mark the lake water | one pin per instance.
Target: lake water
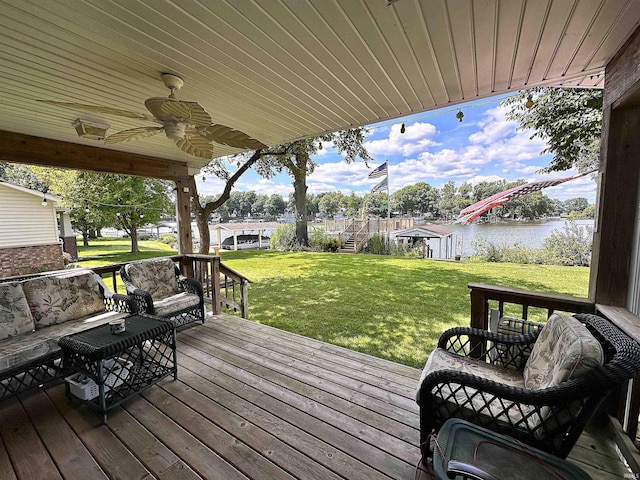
(530, 235)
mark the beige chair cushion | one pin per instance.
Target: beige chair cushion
(441, 359)
(31, 345)
(564, 350)
(155, 276)
(57, 299)
(175, 303)
(15, 315)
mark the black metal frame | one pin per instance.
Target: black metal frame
(149, 344)
(567, 407)
(49, 367)
(179, 318)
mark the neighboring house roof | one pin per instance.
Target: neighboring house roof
(30, 191)
(426, 231)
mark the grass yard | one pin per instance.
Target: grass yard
(390, 307)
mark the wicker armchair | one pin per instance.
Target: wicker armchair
(484, 383)
(159, 289)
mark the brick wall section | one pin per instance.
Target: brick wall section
(24, 260)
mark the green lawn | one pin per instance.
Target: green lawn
(390, 307)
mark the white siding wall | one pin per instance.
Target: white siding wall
(24, 221)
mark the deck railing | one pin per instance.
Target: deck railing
(222, 286)
(624, 407)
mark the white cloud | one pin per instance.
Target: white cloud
(266, 186)
(418, 137)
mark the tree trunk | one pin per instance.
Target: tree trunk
(85, 238)
(300, 195)
(203, 229)
(134, 240)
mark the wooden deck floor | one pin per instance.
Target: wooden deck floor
(251, 402)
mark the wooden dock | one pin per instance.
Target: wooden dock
(251, 402)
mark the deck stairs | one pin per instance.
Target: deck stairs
(355, 236)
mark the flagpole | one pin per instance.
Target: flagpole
(388, 196)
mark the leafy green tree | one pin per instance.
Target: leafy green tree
(134, 202)
(23, 175)
(275, 205)
(353, 204)
(375, 204)
(568, 119)
(571, 246)
(331, 203)
(576, 205)
(296, 158)
(447, 204)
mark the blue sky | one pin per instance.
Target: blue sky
(435, 149)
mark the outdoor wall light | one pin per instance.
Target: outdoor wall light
(44, 200)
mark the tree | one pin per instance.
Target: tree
(576, 205)
(568, 119)
(353, 204)
(275, 205)
(134, 202)
(331, 203)
(296, 159)
(447, 204)
(23, 175)
(375, 204)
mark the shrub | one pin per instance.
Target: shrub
(284, 239)
(168, 238)
(572, 246)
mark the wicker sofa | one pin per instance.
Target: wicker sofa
(36, 311)
(540, 388)
(159, 289)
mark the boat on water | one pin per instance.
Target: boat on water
(246, 242)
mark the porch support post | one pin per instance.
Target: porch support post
(620, 174)
(183, 215)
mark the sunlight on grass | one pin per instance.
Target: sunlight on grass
(390, 307)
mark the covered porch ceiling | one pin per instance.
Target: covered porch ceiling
(281, 69)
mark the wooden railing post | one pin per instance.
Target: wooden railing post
(244, 298)
(215, 283)
(479, 310)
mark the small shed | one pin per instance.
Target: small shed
(29, 238)
(424, 234)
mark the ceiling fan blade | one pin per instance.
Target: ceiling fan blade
(170, 109)
(132, 134)
(230, 137)
(100, 109)
(195, 145)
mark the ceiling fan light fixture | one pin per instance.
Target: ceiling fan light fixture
(175, 132)
(90, 130)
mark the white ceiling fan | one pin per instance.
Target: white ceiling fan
(186, 123)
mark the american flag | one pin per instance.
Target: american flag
(380, 171)
(469, 214)
(380, 187)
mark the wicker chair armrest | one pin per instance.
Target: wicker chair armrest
(143, 300)
(190, 285)
(561, 394)
(466, 341)
(117, 302)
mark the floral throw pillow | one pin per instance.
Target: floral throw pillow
(58, 299)
(15, 316)
(157, 277)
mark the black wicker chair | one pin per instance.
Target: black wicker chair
(170, 295)
(550, 419)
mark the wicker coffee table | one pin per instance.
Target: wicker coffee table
(108, 368)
